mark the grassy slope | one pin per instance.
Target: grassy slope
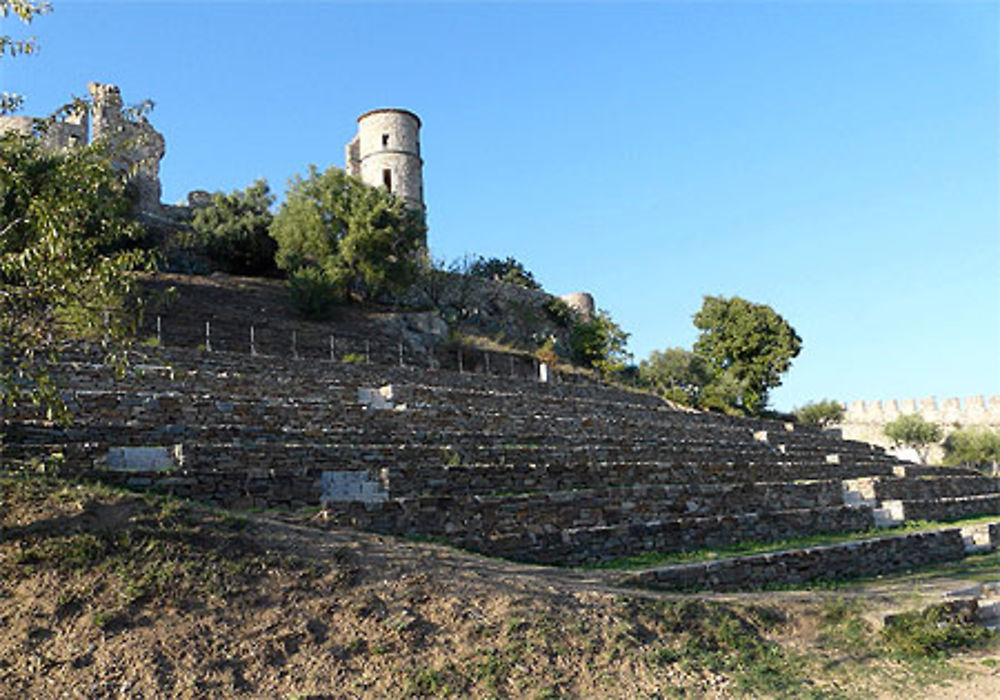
(103, 592)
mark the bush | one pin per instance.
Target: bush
(820, 413)
(313, 294)
(509, 271)
(913, 431)
(599, 344)
(973, 447)
(235, 230)
(361, 237)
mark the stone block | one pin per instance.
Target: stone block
(143, 459)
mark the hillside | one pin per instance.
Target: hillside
(110, 593)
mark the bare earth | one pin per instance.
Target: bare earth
(109, 594)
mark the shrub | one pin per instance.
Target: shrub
(313, 294)
(599, 344)
(913, 431)
(361, 237)
(972, 446)
(235, 229)
(820, 413)
(508, 271)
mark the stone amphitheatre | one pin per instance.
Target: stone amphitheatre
(476, 451)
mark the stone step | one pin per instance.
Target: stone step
(865, 557)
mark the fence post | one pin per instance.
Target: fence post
(253, 341)
(511, 357)
(460, 360)
(295, 346)
(401, 353)
(333, 349)
(159, 333)
(486, 360)
(208, 336)
(368, 352)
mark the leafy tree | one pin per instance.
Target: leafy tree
(599, 344)
(749, 344)
(26, 10)
(66, 234)
(235, 227)
(509, 271)
(677, 374)
(820, 413)
(972, 446)
(363, 239)
(911, 430)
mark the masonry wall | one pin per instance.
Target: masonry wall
(866, 420)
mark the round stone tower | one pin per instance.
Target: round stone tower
(386, 153)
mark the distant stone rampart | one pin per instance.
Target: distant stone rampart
(866, 420)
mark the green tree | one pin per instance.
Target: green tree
(364, 240)
(677, 374)
(509, 271)
(66, 250)
(25, 10)
(820, 413)
(973, 447)
(599, 344)
(748, 344)
(911, 430)
(236, 227)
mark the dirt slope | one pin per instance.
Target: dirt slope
(105, 593)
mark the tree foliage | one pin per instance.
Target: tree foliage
(973, 447)
(599, 343)
(820, 413)
(509, 271)
(66, 238)
(748, 344)
(363, 239)
(678, 374)
(912, 430)
(236, 227)
(25, 10)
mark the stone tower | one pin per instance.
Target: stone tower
(386, 153)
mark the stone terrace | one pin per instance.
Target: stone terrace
(554, 472)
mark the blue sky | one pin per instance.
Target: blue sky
(837, 161)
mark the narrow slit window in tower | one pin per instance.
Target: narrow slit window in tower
(387, 179)
(385, 139)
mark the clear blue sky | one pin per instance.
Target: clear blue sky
(838, 161)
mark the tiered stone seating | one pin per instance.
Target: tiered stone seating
(557, 472)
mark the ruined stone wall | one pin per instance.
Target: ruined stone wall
(866, 420)
(53, 135)
(136, 147)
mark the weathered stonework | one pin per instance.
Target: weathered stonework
(386, 153)
(866, 420)
(135, 147)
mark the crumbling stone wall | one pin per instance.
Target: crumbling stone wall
(135, 146)
(866, 420)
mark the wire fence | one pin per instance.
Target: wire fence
(272, 340)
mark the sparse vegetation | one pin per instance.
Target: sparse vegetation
(820, 413)
(245, 600)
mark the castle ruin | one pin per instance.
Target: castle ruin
(386, 153)
(134, 146)
(865, 421)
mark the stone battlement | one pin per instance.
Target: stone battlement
(967, 411)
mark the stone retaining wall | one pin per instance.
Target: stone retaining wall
(860, 558)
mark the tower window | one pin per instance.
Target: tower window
(387, 179)
(385, 139)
